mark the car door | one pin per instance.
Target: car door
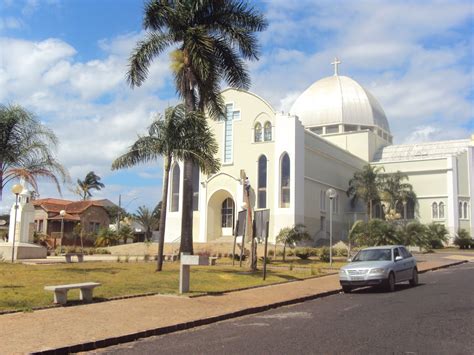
(398, 266)
(409, 262)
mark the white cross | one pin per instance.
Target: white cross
(336, 68)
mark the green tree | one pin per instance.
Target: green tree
(365, 185)
(436, 235)
(106, 237)
(212, 37)
(463, 239)
(147, 220)
(394, 188)
(374, 232)
(291, 236)
(90, 182)
(26, 149)
(180, 135)
(125, 233)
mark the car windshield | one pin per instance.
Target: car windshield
(373, 255)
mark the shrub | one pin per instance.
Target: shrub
(279, 253)
(271, 253)
(313, 251)
(102, 251)
(341, 252)
(290, 252)
(324, 254)
(303, 253)
(268, 260)
(463, 239)
(146, 258)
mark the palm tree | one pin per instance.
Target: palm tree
(180, 135)
(26, 149)
(365, 185)
(394, 189)
(147, 220)
(90, 182)
(291, 236)
(211, 37)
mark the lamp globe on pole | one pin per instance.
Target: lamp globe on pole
(16, 189)
(331, 194)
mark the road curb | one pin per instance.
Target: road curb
(93, 345)
(444, 266)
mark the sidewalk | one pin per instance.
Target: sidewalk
(86, 327)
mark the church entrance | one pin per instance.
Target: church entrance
(221, 215)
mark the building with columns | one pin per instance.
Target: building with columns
(333, 129)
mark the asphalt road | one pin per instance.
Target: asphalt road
(437, 317)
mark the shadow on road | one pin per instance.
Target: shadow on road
(372, 289)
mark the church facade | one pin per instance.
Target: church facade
(291, 159)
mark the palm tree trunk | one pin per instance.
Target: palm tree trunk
(164, 207)
(187, 210)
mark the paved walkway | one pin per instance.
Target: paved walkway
(108, 323)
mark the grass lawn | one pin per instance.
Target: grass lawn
(21, 286)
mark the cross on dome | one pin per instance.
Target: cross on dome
(336, 66)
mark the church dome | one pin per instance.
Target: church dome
(339, 100)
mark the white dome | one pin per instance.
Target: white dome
(338, 100)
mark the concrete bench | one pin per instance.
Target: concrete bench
(170, 257)
(212, 260)
(60, 291)
(80, 257)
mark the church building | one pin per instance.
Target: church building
(333, 129)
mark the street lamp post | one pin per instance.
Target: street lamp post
(331, 194)
(16, 189)
(62, 213)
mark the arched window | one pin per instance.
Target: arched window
(258, 132)
(227, 212)
(441, 210)
(195, 187)
(262, 182)
(285, 181)
(322, 200)
(460, 210)
(267, 132)
(378, 211)
(400, 209)
(175, 189)
(465, 210)
(434, 210)
(410, 209)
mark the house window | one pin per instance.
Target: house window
(227, 213)
(400, 209)
(410, 209)
(285, 181)
(195, 187)
(322, 200)
(317, 130)
(40, 226)
(378, 211)
(460, 210)
(258, 132)
(434, 210)
(94, 227)
(267, 132)
(262, 182)
(350, 128)
(175, 189)
(322, 224)
(335, 204)
(465, 210)
(441, 210)
(332, 129)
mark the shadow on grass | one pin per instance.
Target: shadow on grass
(12, 286)
(109, 270)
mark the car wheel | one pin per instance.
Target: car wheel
(414, 279)
(390, 286)
(346, 289)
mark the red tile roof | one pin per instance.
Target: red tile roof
(71, 207)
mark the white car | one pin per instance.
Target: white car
(379, 266)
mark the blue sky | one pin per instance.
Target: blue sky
(65, 60)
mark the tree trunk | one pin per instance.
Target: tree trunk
(187, 210)
(1, 179)
(164, 207)
(284, 252)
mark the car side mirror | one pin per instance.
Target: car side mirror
(398, 258)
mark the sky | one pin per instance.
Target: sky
(66, 61)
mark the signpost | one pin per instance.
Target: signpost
(184, 271)
(261, 226)
(239, 233)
